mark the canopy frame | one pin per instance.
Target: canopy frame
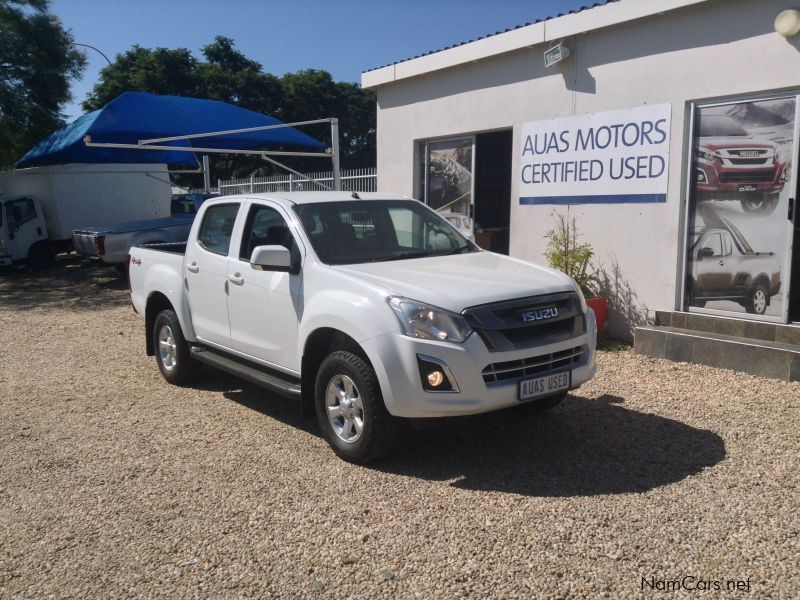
(155, 144)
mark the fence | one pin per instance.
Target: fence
(353, 180)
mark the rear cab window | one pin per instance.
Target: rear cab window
(216, 229)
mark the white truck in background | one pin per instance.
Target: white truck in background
(369, 309)
(41, 206)
(110, 245)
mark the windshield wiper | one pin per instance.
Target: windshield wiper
(460, 250)
(400, 256)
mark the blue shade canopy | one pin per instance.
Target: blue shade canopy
(135, 116)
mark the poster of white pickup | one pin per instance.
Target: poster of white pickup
(609, 157)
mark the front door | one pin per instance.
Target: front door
(25, 226)
(264, 306)
(206, 265)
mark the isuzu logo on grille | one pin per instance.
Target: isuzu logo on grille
(539, 314)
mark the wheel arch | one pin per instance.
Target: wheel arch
(156, 302)
(319, 344)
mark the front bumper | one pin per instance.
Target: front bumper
(394, 357)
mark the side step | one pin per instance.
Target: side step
(249, 372)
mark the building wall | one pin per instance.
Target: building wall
(713, 49)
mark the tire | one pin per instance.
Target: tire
(764, 204)
(172, 352)
(40, 257)
(344, 376)
(121, 269)
(757, 300)
(544, 404)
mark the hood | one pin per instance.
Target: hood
(717, 143)
(462, 280)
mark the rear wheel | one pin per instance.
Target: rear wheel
(764, 204)
(757, 300)
(172, 351)
(350, 409)
(40, 257)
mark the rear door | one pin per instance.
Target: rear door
(264, 305)
(205, 274)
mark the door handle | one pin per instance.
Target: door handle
(722, 263)
(236, 279)
(192, 268)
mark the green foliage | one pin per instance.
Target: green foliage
(228, 75)
(37, 61)
(565, 253)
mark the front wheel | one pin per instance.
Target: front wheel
(765, 204)
(756, 302)
(350, 409)
(172, 351)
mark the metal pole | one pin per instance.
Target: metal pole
(298, 173)
(337, 173)
(251, 184)
(206, 174)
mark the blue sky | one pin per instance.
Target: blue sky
(344, 37)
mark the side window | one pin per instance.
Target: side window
(714, 242)
(217, 228)
(264, 227)
(19, 212)
(727, 246)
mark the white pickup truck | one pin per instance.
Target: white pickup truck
(370, 310)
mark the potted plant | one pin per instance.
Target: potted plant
(565, 252)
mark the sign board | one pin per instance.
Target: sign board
(610, 157)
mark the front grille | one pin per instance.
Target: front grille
(746, 176)
(511, 370)
(502, 327)
(749, 161)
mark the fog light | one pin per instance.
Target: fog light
(783, 176)
(701, 176)
(435, 378)
(435, 375)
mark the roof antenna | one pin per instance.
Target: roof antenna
(355, 196)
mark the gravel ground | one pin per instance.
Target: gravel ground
(115, 484)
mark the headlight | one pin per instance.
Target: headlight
(706, 155)
(428, 322)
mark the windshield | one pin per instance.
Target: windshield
(719, 126)
(378, 230)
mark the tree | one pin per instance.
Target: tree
(37, 61)
(226, 74)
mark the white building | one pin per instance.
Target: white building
(470, 129)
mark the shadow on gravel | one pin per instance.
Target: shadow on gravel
(66, 285)
(583, 447)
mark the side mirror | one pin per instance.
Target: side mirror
(705, 253)
(271, 258)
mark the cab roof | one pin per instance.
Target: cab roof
(311, 197)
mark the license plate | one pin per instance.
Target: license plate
(546, 385)
(750, 187)
(749, 154)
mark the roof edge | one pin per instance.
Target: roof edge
(541, 32)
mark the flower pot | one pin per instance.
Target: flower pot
(599, 304)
